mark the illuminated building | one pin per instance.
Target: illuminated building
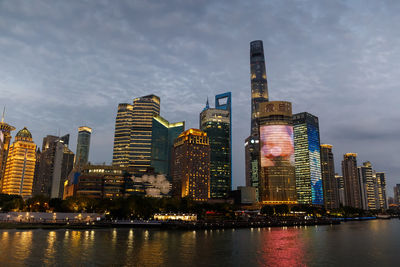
(307, 159)
(191, 165)
(5, 138)
(54, 165)
(216, 122)
(83, 146)
(144, 109)
(340, 183)
(259, 94)
(175, 217)
(352, 187)
(20, 167)
(381, 184)
(329, 182)
(162, 141)
(396, 196)
(369, 188)
(252, 151)
(277, 174)
(122, 135)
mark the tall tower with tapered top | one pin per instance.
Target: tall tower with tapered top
(259, 85)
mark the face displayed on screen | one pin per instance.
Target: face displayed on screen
(277, 146)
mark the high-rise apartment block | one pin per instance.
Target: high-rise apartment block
(369, 188)
(381, 184)
(83, 146)
(329, 182)
(191, 165)
(5, 138)
(352, 187)
(20, 166)
(277, 175)
(162, 141)
(396, 191)
(259, 94)
(307, 159)
(340, 183)
(216, 122)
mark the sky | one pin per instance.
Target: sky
(64, 64)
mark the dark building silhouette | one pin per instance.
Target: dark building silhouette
(352, 187)
(329, 182)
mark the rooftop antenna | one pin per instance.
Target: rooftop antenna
(4, 111)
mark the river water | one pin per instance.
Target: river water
(367, 243)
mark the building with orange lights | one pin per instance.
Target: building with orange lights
(277, 168)
(20, 167)
(5, 138)
(191, 165)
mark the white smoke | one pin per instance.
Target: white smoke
(158, 184)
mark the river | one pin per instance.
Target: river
(365, 243)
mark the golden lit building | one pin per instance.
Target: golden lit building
(191, 165)
(5, 138)
(20, 167)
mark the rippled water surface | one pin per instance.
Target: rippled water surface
(369, 243)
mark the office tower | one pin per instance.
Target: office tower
(381, 183)
(352, 185)
(259, 94)
(54, 165)
(5, 138)
(144, 109)
(83, 146)
(20, 166)
(307, 159)
(162, 141)
(340, 183)
(396, 190)
(191, 165)
(216, 122)
(277, 174)
(329, 182)
(122, 135)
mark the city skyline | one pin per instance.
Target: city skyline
(69, 85)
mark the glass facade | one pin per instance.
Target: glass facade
(381, 182)
(329, 182)
(163, 137)
(307, 156)
(5, 138)
(83, 146)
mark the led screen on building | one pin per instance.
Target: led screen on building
(277, 146)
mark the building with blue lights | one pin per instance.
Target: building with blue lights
(307, 159)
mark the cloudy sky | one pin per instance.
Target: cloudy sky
(64, 64)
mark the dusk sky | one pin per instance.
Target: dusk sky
(64, 64)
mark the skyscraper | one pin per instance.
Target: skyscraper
(381, 183)
(329, 182)
(216, 122)
(55, 163)
(396, 191)
(162, 141)
(122, 135)
(307, 159)
(144, 109)
(340, 183)
(191, 165)
(5, 138)
(369, 189)
(277, 175)
(259, 94)
(352, 185)
(83, 146)
(20, 167)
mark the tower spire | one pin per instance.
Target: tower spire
(207, 104)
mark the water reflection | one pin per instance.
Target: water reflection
(282, 247)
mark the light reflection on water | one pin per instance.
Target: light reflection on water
(361, 243)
